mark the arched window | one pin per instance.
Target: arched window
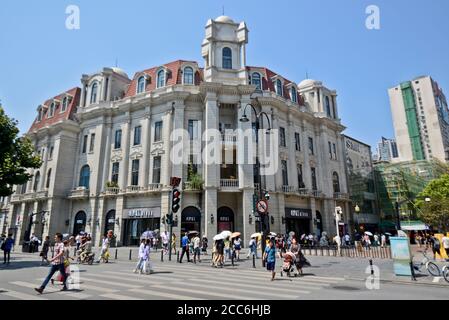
(37, 179)
(227, 58)
(52, 110)
(161, 79)
(85, 177)
(188, 75)
(294, 95)
(141, 84)
(65, 104)
(94, 93)
(47, 183)
(336, 182)
(328, 107)
(256, 81)
(279, 87)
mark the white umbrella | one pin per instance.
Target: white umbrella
(226, 234)
(368, 233)
(387, 234)
(218, 237)
(273, 234)
(256, 235)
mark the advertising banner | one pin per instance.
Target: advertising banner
(401, 254)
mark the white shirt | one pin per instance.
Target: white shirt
(164, 237)
(141, 250)
(445, 241)
(105, 243)
(196, 242)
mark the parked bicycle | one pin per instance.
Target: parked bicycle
(445, 272)
(431, 267)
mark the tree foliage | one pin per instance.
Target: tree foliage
(436, 211)
(16, 156)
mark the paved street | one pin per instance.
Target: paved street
(328, 278)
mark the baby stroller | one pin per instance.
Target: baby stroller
(288, 266)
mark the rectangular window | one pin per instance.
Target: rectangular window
(157, 170)
(314, 185)
(330, 149)
(193, 130)
(118, 139)
(135, 173)
(92, 142)
(85, 143)
(334, 148)
(311, 145)
(115, 171)
(137, 135)
(297, 142)
(284, 173)
(51, 152)
(282, 136)
(158, 131)
(300, 178)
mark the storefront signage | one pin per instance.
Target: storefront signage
(293, 213)
(142, 213)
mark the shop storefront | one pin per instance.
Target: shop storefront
(225, 218)
(138, 220)
(298, 220)
(190, 220)
(79, 223)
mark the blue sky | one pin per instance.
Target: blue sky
(40, 58)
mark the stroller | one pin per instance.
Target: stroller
(288, 266)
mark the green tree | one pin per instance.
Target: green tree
(16, 156)
(436, 211)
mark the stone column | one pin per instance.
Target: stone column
(108, 96)
(119, 228)
(247, 205)
(146, 142)
(178, 124)
(244, 147)
(290, 138)
(165, 156)
(306, 171)
(125, 169)
(100, 215)
(44, 175)
(312, 205)
(106, 156)
(23, 222)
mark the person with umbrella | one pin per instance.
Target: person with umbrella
(252, 245)
(236, 245)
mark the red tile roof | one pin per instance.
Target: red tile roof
(58, 116)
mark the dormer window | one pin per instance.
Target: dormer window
(294, 95)
(256, 81)
(141, 83)
(227, 58)
(94, 93)
(65, 104)
(161, 79)
(279, 87)
(39, 114)
(51, 112)
(188, 75)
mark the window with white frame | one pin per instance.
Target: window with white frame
(279, 88)
(65, 104)
(294, 95)
(141, 82)
(188, 75)
(256, 80)
(94, 93)
(161, 79)
(227, 58)
(51, 112)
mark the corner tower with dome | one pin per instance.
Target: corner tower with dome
(106, 149)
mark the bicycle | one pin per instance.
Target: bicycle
(445, 272)
(431, 267)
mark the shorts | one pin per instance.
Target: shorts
(271, 266)
(238, 248)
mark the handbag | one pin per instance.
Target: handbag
(66, 263)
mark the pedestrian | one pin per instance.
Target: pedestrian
(376, 240)
(78, 241)
(147, 266)
(204, 244)
(220, 252)
(252, 245)
(7, 246)
(227, 249)
(214, 260)
(141, 257)
(45, 248)
(435, 246)
(383, 240)
(270, 259)
(196, 248)
(67, 259)
(237, 247)
(173, 242)
(57, 264)
(185, 247)
(164, 238)
(104, 252)
(445, 242)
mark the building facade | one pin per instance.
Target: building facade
(362, 189)
(421, 120)
(387, 150)
(108, 149)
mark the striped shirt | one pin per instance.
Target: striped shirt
(59, 248)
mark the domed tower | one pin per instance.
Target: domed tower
(320, 99)
(224, 51)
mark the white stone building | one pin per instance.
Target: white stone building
(106, 150)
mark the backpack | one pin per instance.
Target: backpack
(436, 244)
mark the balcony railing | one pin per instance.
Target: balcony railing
(79, 193)
(304, 191)
(288, 189)
(112, 191)
(229, 138)
(154, 187)
(190, 186)
(229, 183)
(29, 196)
(16, 197)
(340, 195)
(317, 194)
(42, 194)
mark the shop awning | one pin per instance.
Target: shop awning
(413, 225)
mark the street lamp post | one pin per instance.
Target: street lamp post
(259, 126)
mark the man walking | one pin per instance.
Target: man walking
(270, 257)
(196, 249)
(57, 264)
(445, 242)
(7, 245)
(185, 248)
(164, 238)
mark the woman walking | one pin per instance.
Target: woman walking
(237, 247)
(204, 245)
(44, 252)
(147, 266)
(141, 255)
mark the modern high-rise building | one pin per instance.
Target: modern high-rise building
(387, 150)
(421, 120)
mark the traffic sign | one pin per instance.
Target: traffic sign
(262, 206)
(175, 181)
